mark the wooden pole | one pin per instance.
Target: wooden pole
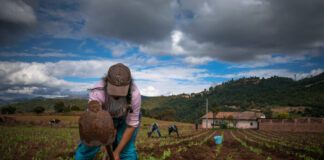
(206, 113)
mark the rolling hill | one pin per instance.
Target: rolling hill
(234, 95)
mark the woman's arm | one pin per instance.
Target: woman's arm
(127, 135)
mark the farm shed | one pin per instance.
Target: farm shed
(232, 119)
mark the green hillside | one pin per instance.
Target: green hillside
(244, 94)
(234, 95)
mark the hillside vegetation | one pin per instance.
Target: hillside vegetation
(234, 95)
(243, 94)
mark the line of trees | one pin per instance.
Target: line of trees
(8, 110)
(59, 107)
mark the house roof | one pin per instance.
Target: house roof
(208, 115)
(226, 115)
(234, 115)
(247, 115)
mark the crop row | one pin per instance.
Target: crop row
(280, 149)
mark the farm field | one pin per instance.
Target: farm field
(33, 138)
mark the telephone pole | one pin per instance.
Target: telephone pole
(206, 113)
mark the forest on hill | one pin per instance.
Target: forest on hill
(241, 95)
(234, 95)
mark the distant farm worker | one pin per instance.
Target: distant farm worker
(154, 128)
(118, 95)
(173, 128)
(196, 125)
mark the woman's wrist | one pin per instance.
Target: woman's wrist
(117, 150)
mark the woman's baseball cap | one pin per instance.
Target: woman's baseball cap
(118, 80)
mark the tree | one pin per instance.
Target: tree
(75, 108)
(59, 107)
(282, 115)
(268, 113)
(211, 89)
(8, 110)
(39, 109)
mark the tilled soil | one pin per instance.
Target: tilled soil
(157, 150)
(280, 151)
(266, 152)
(198, 152)
(233, 150)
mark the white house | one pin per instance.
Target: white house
(232, 119)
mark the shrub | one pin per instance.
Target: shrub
(8, 110)
(59, 107)
(39, 109)
(75, 108)
(282, 115)
(223, 125)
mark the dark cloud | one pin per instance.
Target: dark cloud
(16, 19)
(134, 21)
(241, 29)
(235, 31)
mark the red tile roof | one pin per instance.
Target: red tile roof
(234, 115)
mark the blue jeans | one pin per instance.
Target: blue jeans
(129, 152)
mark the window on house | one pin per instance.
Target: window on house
(251, 123)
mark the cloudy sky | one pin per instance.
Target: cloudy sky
(60, 48)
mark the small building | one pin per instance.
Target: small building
(241, 120)
(208, 120)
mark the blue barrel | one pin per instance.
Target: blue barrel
(218, 139)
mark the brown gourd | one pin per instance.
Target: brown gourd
(96, 127)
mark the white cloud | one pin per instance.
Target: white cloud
(179, 43)
(170, 80)
(313, 72)
(117, 49)
(176, 37)
(29, 76)
(158, 80)
(170, 87)
(197, 60)
(166, 73)
(268, 60)
(267, 73)
(150, 91)
(33, 78)
(23, 90)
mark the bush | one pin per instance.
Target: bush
(67, 109)
(8, 110)
(59, 107)
(39, 109)
(75, 108)
(282, 115)
(223, 125)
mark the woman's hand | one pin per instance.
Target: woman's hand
(116, 155)
(127, 135)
